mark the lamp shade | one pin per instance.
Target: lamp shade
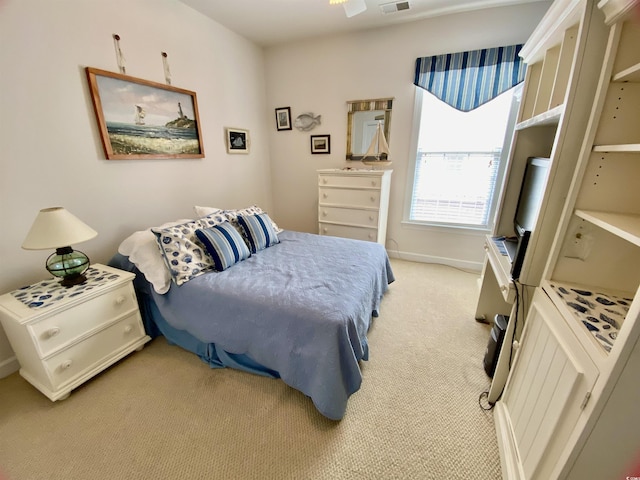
(55, 227)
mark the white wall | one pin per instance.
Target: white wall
(321, 75)
(50, 150)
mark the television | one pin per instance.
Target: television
(534, 181)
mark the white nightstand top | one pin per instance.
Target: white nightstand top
(49, 292)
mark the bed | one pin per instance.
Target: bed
(298, 310)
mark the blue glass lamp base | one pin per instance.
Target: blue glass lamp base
(69, 265)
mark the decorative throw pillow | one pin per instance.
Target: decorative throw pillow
(213, 219)
(259, 231)
(224, 244)
(142, 250)
(184, 255)
(232, 214)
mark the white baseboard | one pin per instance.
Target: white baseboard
(9, 366)
(473, 267)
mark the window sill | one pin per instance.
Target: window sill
(453, 229)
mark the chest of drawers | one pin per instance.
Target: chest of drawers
(354, 203)
(64, 336)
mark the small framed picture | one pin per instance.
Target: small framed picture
(283, 118)
(237, 140)
(320, 143)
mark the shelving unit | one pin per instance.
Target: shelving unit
(564, 57)
(587, 307)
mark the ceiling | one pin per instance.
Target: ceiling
(269, 22)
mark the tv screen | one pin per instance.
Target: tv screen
(533, 184)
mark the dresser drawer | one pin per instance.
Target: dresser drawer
(345, 231)
(54, 332)
(350, 181)
(355, 198)
(68, 364)
(350, 216)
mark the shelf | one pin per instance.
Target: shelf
(627, 148)
(550, 117)
(631, 74)
(600, 313)
(626, 226)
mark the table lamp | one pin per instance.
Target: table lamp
(56, 228)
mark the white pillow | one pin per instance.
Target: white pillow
(204, 211)
(143, 251)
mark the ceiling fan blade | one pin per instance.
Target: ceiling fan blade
(354, 7)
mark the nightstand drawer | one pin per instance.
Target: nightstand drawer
(349, 216)
(345, 231)
(355, 198)
(68, 364)
(52, 333)
(350, 181)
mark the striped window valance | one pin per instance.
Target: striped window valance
(466, 80)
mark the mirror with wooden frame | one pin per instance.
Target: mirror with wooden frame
(362, 119)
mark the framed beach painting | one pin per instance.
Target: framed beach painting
(140, 119)
(237, 140)
(320, 143)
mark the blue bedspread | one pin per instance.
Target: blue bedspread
(301, 308)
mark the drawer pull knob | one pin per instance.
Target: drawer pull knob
(120, 300)
(324, 213)
(324, 180)
(503, 288)
(371, 236)
(373, 183)
(371, 218)
(373, 199)
(66, 364)
(128, 329)
(53, 332)
(324, 230)
(324, 195)
(516, 344)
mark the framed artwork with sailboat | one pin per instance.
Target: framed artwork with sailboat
(141, 119)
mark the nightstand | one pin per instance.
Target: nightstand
(64, 336)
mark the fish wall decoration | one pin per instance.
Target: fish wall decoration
(306, 121)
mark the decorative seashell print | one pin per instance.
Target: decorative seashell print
(307, 121)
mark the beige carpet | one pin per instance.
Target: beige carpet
(163, 414)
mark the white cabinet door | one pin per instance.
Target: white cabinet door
(547, 389)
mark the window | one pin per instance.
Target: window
(458, 163)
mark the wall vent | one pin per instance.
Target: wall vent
(394, 7)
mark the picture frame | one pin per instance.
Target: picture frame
(140, 119)
(283, 118)
(320, 144)
(237, 140)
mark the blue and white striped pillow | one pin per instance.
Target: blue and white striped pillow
(259, 231)
(224, 244)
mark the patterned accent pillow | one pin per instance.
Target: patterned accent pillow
(232, 215)
(259, 231)
(184, 255)
(213, 219)
(225, 245)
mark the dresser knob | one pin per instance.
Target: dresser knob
(516, 345)
(503, 288)
(324, 195)
(324, 213)
(128, 329)
(373, 199)
(66, 364)
(53, 332)
(324, 230)
(324, 180)
(120, 300)
(373, 183)
(371, 218)
(371, 236)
